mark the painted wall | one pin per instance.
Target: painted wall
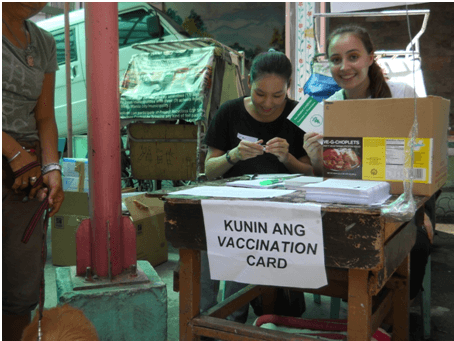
(361, 6)
(249, 26)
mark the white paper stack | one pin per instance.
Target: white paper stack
(301, 181)
(343, 191)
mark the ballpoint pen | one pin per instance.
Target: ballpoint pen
(270, 182)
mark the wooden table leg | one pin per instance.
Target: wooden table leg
(359, 306)
(189, 291)
(401, 303)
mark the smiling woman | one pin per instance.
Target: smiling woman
(349, 63)
(352, 65)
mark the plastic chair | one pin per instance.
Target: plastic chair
(334, 308)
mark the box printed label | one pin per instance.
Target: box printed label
(384, 159)
(342, 157)
(59, 222)
(376, 158)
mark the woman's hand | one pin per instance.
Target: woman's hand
(279, 147)
(314, 150)
(55, 190)
(312, 147)
(28, 178)
(247, 150)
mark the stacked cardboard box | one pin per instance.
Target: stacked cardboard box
(367, 139)
(75, 174)
(147, 215)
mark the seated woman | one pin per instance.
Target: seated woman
(252, 135)
(353, 67)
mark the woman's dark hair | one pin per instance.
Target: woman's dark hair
(271, 62)
(378, 86)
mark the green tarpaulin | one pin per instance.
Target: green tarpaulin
(168, 85)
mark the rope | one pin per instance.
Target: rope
(42, 209)
(26, 168)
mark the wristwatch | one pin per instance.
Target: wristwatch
(227, 156)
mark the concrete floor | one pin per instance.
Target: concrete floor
(442, 291)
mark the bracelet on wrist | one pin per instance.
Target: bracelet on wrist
(50, 167)
(15, 156)
(229, 160)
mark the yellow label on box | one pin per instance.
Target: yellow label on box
(384, 159)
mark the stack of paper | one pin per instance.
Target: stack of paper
(343, 191)
(301, 181)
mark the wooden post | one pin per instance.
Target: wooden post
(359, 306)
(401, 303)
(189, 291)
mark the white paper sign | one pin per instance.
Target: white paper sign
(265, 243)
(308, 115)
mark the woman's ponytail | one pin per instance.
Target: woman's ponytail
(378, 86)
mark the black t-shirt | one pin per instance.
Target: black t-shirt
(233, 121)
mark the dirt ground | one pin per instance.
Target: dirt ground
(442, 302)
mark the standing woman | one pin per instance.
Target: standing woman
(353, 67)
(252, 135)
(29, 135)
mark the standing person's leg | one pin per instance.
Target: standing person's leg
(22, 264)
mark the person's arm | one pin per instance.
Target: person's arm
(216, 163)
(280, 148)
(314, 151)
(11, 149)
(48, 136)
(301, 165)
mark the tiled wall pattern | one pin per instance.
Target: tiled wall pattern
(305, 45)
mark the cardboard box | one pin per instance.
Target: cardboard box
(147, 215)
(75, 175)
(149, 222)
(364, 139)
(72, 167)
(163, 151)
(73, 184)
(64, 225)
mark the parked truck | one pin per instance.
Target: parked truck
(138, 22)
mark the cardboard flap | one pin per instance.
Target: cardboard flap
(141, 207)
(80, 168)
(372, 117)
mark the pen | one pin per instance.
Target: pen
(269, 182)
